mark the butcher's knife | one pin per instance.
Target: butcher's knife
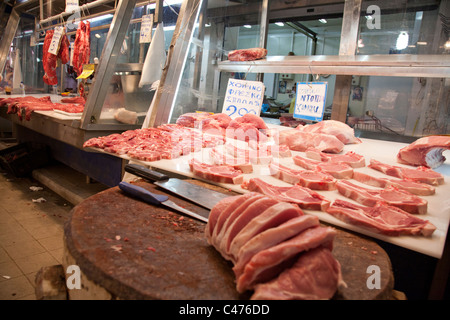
(202, 196)
(157, 199)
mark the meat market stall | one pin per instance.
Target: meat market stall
(76, 108)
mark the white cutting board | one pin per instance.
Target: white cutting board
(384, 151)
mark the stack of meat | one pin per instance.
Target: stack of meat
(26, 105)
(49, 60)
(168, 141)
(247, 54)
(276, 250)
(82, 47)
(326, 136)
(426, 151)
(208, 123)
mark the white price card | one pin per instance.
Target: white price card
(54, 45)
(243, 97)
(146, 29)
(72, 5)
(310, 100)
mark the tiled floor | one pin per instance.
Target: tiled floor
(31, 234)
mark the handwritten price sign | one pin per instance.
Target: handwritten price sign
(243, 97)
(310, 100)
(146, 29)
(54, 44)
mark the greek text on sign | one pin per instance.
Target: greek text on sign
(310, 100)
(72, 5)
(146, 29)
(243, 97)
(54, 44)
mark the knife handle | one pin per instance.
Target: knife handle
(145, 173)
(142, 194)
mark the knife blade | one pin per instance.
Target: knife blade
(202, 196)
(157, 199)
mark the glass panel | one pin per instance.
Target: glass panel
(406, 27)
(228, 26)
(124, 91)
(399, 106)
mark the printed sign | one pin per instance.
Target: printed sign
(310, 100)
(54, 45)
(243, 97)
(72, 5)
(146, 29)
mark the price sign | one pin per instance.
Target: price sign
(146, 29)
(72, 5)
(54, 45)
(310, 100)
(243, 97)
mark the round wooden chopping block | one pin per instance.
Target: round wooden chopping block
(135, 250)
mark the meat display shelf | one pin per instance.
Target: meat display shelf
(384, 151)
(401, 65)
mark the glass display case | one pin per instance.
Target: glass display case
(391, 90)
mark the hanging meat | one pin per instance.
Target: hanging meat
(49, 60)
(82, 49)
(63, 53)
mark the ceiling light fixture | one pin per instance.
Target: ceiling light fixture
(280, 24)
(323, 20)
(402, 40)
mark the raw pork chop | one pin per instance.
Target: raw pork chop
(316, 275)
(420, 174)
(276, 150)
(417, 188)
(247, 54)
(339, 170)
(254, 156)
(267, 264)
(305, 198)
(391, 195)
(236, 222)
(314, 180)
(426, 151)
(216, 173)
(222, 210)
(270, 218)
(351, 158)
(335, 128)
(239, 163)
(247, 128)
(297, 140)
(382, 218)
(272, 237)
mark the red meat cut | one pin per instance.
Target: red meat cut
(351, 158)
(314, 180)
(381, 218)
(216, 173)
(247, 54)
(271, 237)
(316, 275)
(419, 174)
(391, 195)
(417, 188)
(305, 198)
(268, 263)
(297, 140)
(426, 151)
(49, 60)
(339, 170)
(239, 163)
(335, 128)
